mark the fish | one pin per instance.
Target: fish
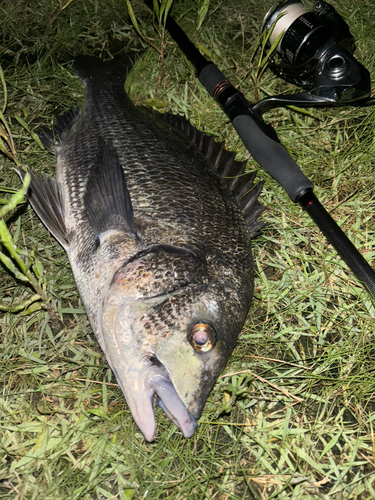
(157, 220)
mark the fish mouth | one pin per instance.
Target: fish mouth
(159, 390)
(154, 387)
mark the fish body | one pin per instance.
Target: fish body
(158, 242)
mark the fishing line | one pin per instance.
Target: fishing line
(287, 17)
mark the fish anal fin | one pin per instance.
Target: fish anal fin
(45, 196)
(52, 138)
(107, 200)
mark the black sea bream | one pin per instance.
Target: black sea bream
(158, 241)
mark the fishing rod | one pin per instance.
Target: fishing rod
(314, 49)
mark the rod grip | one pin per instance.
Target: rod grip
(272, 156)
(210, 76)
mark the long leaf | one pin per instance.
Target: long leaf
(202, 12)
(133, 19)
(33, 134)
(2, 78)
(17, 198)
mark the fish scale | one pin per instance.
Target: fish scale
(158, 245)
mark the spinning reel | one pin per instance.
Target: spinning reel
(314, 50)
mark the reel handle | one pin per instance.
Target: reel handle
(339, 80)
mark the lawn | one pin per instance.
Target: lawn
(292, 417)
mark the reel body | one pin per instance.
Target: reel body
(314, 51)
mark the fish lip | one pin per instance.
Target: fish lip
(179, 413)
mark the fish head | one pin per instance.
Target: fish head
(168, 335)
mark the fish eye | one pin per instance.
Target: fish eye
(202, 337)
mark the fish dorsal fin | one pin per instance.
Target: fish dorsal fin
(231, 171)
(45, 196)
(227, 167)
(52, 138)
(107, 200)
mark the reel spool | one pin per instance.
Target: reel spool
(315, 51)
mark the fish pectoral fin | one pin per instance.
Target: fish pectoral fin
(45, 196)
(107, 199)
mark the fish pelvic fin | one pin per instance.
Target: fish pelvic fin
(90, 67)
(107, 199)
(52, 138)
(45, 196)
(231, 171)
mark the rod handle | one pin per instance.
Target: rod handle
(273, 157)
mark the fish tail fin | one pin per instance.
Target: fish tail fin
(88, 67)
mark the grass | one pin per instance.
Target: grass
(293, 415)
